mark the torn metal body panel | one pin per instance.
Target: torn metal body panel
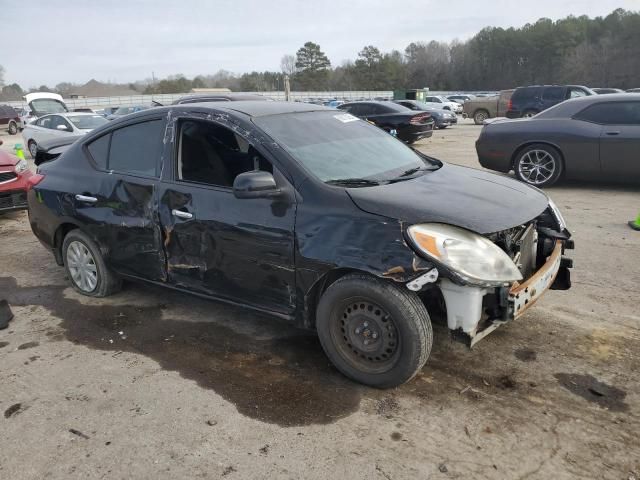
(277, 245)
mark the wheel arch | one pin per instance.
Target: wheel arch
(58, 239)
(313, 294)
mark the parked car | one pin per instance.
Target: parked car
(109, 111)
(10, 119)
(44, 103)
(219, 97)
(410, 126)
(122, 111)
(305, 213)
(592, 137)
(604, 91)
(333, 103)
(483, 108)
(445, 102)
(26, 116)
(633, 90)
(442, 118)
(529, 101)
(60, 125)
(459, 98)
(14, 178)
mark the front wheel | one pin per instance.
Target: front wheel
(539, 165)
(13, 128)
(33, 148)
(374, 332)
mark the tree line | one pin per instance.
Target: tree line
(601, 51)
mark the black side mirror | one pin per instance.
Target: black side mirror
(255, 184)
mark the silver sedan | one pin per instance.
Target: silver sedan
(59, 125)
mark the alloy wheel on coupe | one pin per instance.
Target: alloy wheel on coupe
(537, 167)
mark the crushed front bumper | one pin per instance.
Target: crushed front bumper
(467, 305)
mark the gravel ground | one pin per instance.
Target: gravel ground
(154, 384)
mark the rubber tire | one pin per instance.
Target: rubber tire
(108, 282)
(409, 315)
(32, 142)
(529, 113)
(13, 128)
(477, 119)
(551, 151)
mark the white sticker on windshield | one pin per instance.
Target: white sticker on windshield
(346, 117)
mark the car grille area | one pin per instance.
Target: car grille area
(13, 200)
(7, 176)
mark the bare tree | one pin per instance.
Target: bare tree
(1, 75)
(288, 65)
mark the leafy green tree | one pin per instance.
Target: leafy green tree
(312, 67)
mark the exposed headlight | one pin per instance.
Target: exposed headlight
(558, 216)
(474, 258)
(21, 166)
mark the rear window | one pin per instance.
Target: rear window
(99, 151)
(553, 94)
(525, 93)
(136, 148)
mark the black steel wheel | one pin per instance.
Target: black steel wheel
(374, 332)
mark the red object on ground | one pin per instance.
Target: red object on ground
(13, 185)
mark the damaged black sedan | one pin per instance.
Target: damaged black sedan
(306, 213)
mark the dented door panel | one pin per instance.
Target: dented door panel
(236, 249)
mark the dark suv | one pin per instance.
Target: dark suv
(9, 119)
(528, 101)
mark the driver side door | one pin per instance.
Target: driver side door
(241, 250)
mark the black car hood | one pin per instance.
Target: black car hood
(468, 198)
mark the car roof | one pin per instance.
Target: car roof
(220, 96)
(260, 108)
(572, 106)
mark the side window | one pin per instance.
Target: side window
(553, 94)
(136, 148)
(211, 154)
(577, 92)
(618, 113)
(99, 150)
(353, 109)
(365, 109)
(44, 122)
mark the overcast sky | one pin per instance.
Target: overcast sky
(50, 41)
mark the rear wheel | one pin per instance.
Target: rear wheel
(480, 116)
(33, 148)
(13, 128)
(374, 332)
(529, 113)
(539, 165)
(85, 266)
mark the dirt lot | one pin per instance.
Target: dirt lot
(153, 384)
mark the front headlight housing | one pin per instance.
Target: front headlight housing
(21, 166)
(474, 258)
(557, 215)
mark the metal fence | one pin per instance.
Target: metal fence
(168, 98)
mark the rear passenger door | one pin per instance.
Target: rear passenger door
(118, 203)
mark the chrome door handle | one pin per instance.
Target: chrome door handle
(181, 214)
(615, 132)
(84, 198)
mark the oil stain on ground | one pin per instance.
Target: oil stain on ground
(591, 389)
(284, 379)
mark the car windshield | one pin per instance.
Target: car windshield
(87, 122)
(342, 149)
